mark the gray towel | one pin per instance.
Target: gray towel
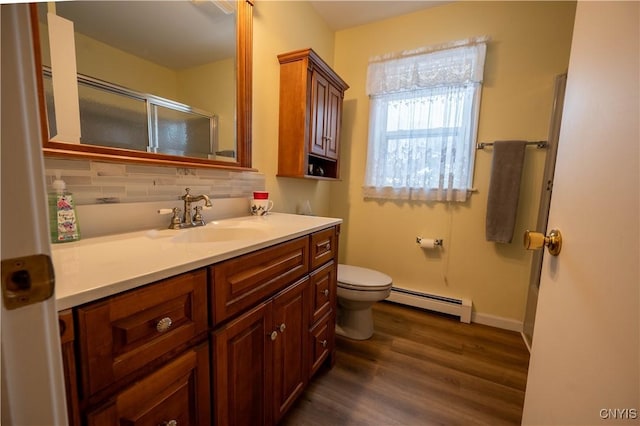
(504, 190)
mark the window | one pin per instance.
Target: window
(423, 121)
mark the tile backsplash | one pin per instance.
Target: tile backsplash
(94, 182)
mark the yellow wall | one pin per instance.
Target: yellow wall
(283, 26)
(208, 86)
(529, 46)
(99, 60)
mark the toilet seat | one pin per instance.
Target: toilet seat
(362, 279)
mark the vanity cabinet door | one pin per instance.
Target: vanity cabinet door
(290, 320)
(175, 394)
(323, 291)
(67, 340)
(322, 338)
(242, 360)
(260, 360)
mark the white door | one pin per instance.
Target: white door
(585, 359)
(31, 374)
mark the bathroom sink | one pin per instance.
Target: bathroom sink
(213, 233)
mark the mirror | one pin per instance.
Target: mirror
(149, 78)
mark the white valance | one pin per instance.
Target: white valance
(459, 62)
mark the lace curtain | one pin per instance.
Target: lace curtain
(423, 120)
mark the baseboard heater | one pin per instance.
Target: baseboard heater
(432, 302)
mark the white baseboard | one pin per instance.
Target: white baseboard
(495, 321)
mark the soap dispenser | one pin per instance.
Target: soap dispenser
(63, 219)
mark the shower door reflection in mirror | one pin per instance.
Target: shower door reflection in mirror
(165, 84)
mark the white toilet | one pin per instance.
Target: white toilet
(358, 289)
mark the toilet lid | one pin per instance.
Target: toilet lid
(359, 278)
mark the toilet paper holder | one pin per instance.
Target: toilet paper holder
(437, 242)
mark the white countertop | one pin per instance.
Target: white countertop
(93, 268)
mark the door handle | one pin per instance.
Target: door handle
(27, 280)
(537, 240)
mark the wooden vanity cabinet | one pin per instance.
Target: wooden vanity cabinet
(311, 96)
(67, 341)
(260, 360)
(264, 357)
(242, 282)
(141, 355)
(234, 343)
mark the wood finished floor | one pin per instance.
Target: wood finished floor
(419, 368)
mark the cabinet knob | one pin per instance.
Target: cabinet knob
(324, 343)
(282, 327)
(274, 335)
(327, 247)
(326, 292)
(164, 324)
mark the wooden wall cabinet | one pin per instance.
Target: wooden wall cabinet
(311, 96)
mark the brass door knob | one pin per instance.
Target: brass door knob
(537, 240)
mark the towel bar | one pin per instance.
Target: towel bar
(538, 144)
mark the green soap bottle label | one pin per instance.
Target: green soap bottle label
(66, 222)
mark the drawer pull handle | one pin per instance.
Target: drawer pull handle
(164, 324)
(326, 292)
(327, 247)
(274, 335)
(170, 423)
(324, 343)
(282, 327)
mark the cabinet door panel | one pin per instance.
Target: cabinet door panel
(322, 342)
(67, 340)
(319, 91)
(242, 361)
(332, 122)
(178, 391)
(323, 291)
(289, 349)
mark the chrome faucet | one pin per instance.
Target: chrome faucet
(189, 221)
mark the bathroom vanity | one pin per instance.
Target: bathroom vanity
(223, 324)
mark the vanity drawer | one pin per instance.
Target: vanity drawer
(321, 342)
(323, 291)
(177, 393)
(126, 333)
(323, 247)
(239, 283)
